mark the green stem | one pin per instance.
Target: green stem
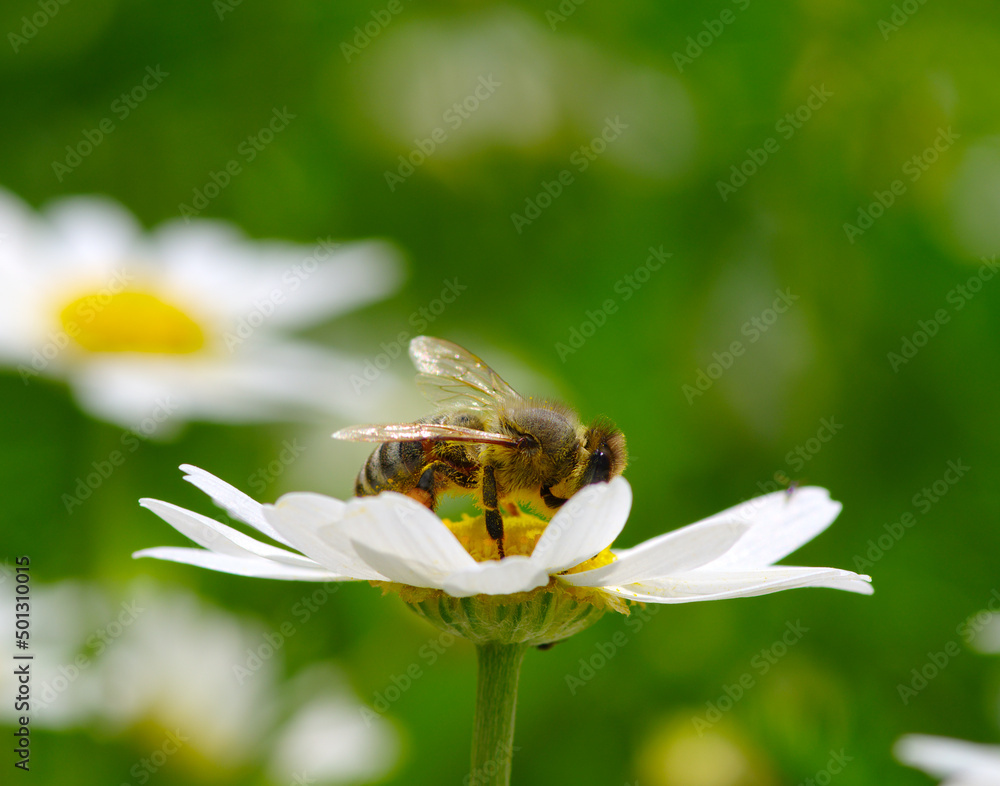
(496, 700)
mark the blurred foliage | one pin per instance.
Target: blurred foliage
(893, 90)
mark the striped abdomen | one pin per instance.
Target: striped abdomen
(392, 466)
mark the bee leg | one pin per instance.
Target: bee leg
(494, 522)
(551, 499)
(429, 484)
(423, 492)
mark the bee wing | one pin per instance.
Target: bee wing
(412, 432)
(452, 375)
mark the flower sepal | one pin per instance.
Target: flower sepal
(540, 617)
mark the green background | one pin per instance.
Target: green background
(893, 92)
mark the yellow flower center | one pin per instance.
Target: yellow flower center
(130, 321)
(520, 534)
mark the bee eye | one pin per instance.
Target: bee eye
(527, 442)
(598, 468)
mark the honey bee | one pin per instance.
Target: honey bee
(486, 440)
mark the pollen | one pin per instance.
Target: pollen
(520, 535)
(130, 321)
(597, 561)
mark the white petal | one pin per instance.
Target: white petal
(671, 554)
(232, 500)
(218, 537)
(150, 393)
(357, 273)
(942, 756)
(19, 227)
(780, 523)
(299, 284)
(257, 567)
(495, 577)
(315, 525)
(400, 569)
(586, 525)
(91, 233)
(397, 534)
(503, 577)
(719, 585)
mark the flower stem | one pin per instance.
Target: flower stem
(496, 699)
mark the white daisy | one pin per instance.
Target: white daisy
(981, 631)
(175, 666)
(161, 662)
(331, 738)
(443, 91)
(392, 538)
(958, 762)
(187, 322)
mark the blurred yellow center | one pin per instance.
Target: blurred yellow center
(520, 534)
(130, 322)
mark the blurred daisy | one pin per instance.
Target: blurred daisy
(329, 739)
(175, 666)
(394, 539)
(448, 90)
(66, 631)
(958, 762)
(672, 753)
(185, 323)
(981, 631)
(975, 200)
(170, 666)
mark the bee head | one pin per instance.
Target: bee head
(606, 452)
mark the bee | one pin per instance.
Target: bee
(486, 440)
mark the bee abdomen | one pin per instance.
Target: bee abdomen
(392, 466)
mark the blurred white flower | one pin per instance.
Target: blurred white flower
(64, 633)
(431, 67)
(165, 660)
(187, 322)
(174, 666)
(981, 631)
(500, 80)
(393, 538)
(958, 762)
(329, 739)
(975, 198)
(160, 659)
(672, 753)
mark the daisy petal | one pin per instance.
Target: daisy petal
(314, 524)
(218, 537)
(240, 566)
(719, 585)
(91, 231)
(584, 526)
(671, 554)
(781, 523)
(358, 274)
(942, 756)
(397, 534)
(232, 500)
(509, 575)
